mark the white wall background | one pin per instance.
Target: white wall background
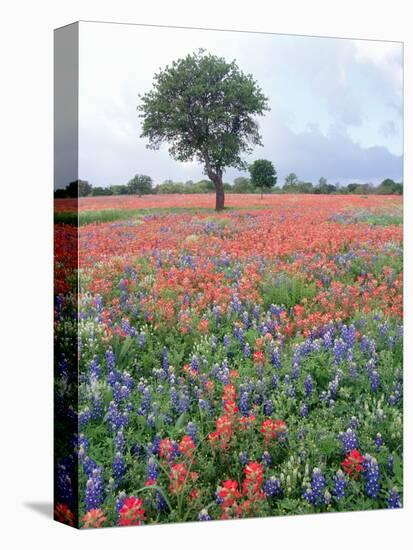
(26, 119)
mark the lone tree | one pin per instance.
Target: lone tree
(204, 108)
(291, 180)
(263, 174)
(140, 185)
(78, 188)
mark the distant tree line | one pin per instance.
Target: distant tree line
(262, 178)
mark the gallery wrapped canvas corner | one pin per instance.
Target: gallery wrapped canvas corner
(228, 275)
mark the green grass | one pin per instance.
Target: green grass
(286, 290)
(111, 215)
(384, 219)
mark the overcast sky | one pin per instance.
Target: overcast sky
(336, 104)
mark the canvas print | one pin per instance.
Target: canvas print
(228, 275)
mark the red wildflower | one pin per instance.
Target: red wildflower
(229, 493)
(253, 479)
(63, 514)
(272, 429)
(187, 446)
(132, 512)
(165, 448)
(230, 393)
(177, 478)
(259, 357)
(352, 464)
(94, 518)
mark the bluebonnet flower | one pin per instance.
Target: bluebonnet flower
(116, 418)
(152, 470)
(374, 380)
(203, 515)
(349, 440)
(85, 416)
(275, 358)
(290, 390)
(244, 404)
(315, 494)
(118, 467)
(160, 502)
(245, 319)
(308, 385)
(194, 363)
(378, 441)
(64, 487)
(226, 340)
(296, 371)
(239, 334)
(110, 360)
(272, 487)
(119, 501)
(304, 410)
(191, 430)
(395, 395)
(354, 423)
(96, 403)
(95, 490)
(136, 449)
(340, 484)
(352, 370)
(120, 441)
(141, 337)
(266, 458)
(328, 340)
(89, 465)
(348, 334)
(174, 397)
(94, 368)
(243, 457)
(372, 475)
(247, 350)
(184, 402)
(256, 313)
(82, 443)
(203, 404)
(393, 499)
(340, 350)
(153, 448)
(268, 407)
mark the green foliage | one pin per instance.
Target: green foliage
(101, 191)
(286, 290)
(291, 180)
(263, 174)
(205, 109)
(140, 185)
(242, 185)
(77, 188)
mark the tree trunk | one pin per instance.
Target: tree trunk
(220, 195)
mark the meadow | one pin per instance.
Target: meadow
(237, 364)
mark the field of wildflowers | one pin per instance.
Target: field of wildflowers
(231, 365)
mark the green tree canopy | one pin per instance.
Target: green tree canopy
(140, 185)
(242, 185)
(263, 174)
(291, 180)
(78, 188)
(205, 109)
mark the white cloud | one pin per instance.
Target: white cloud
(314, 84)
